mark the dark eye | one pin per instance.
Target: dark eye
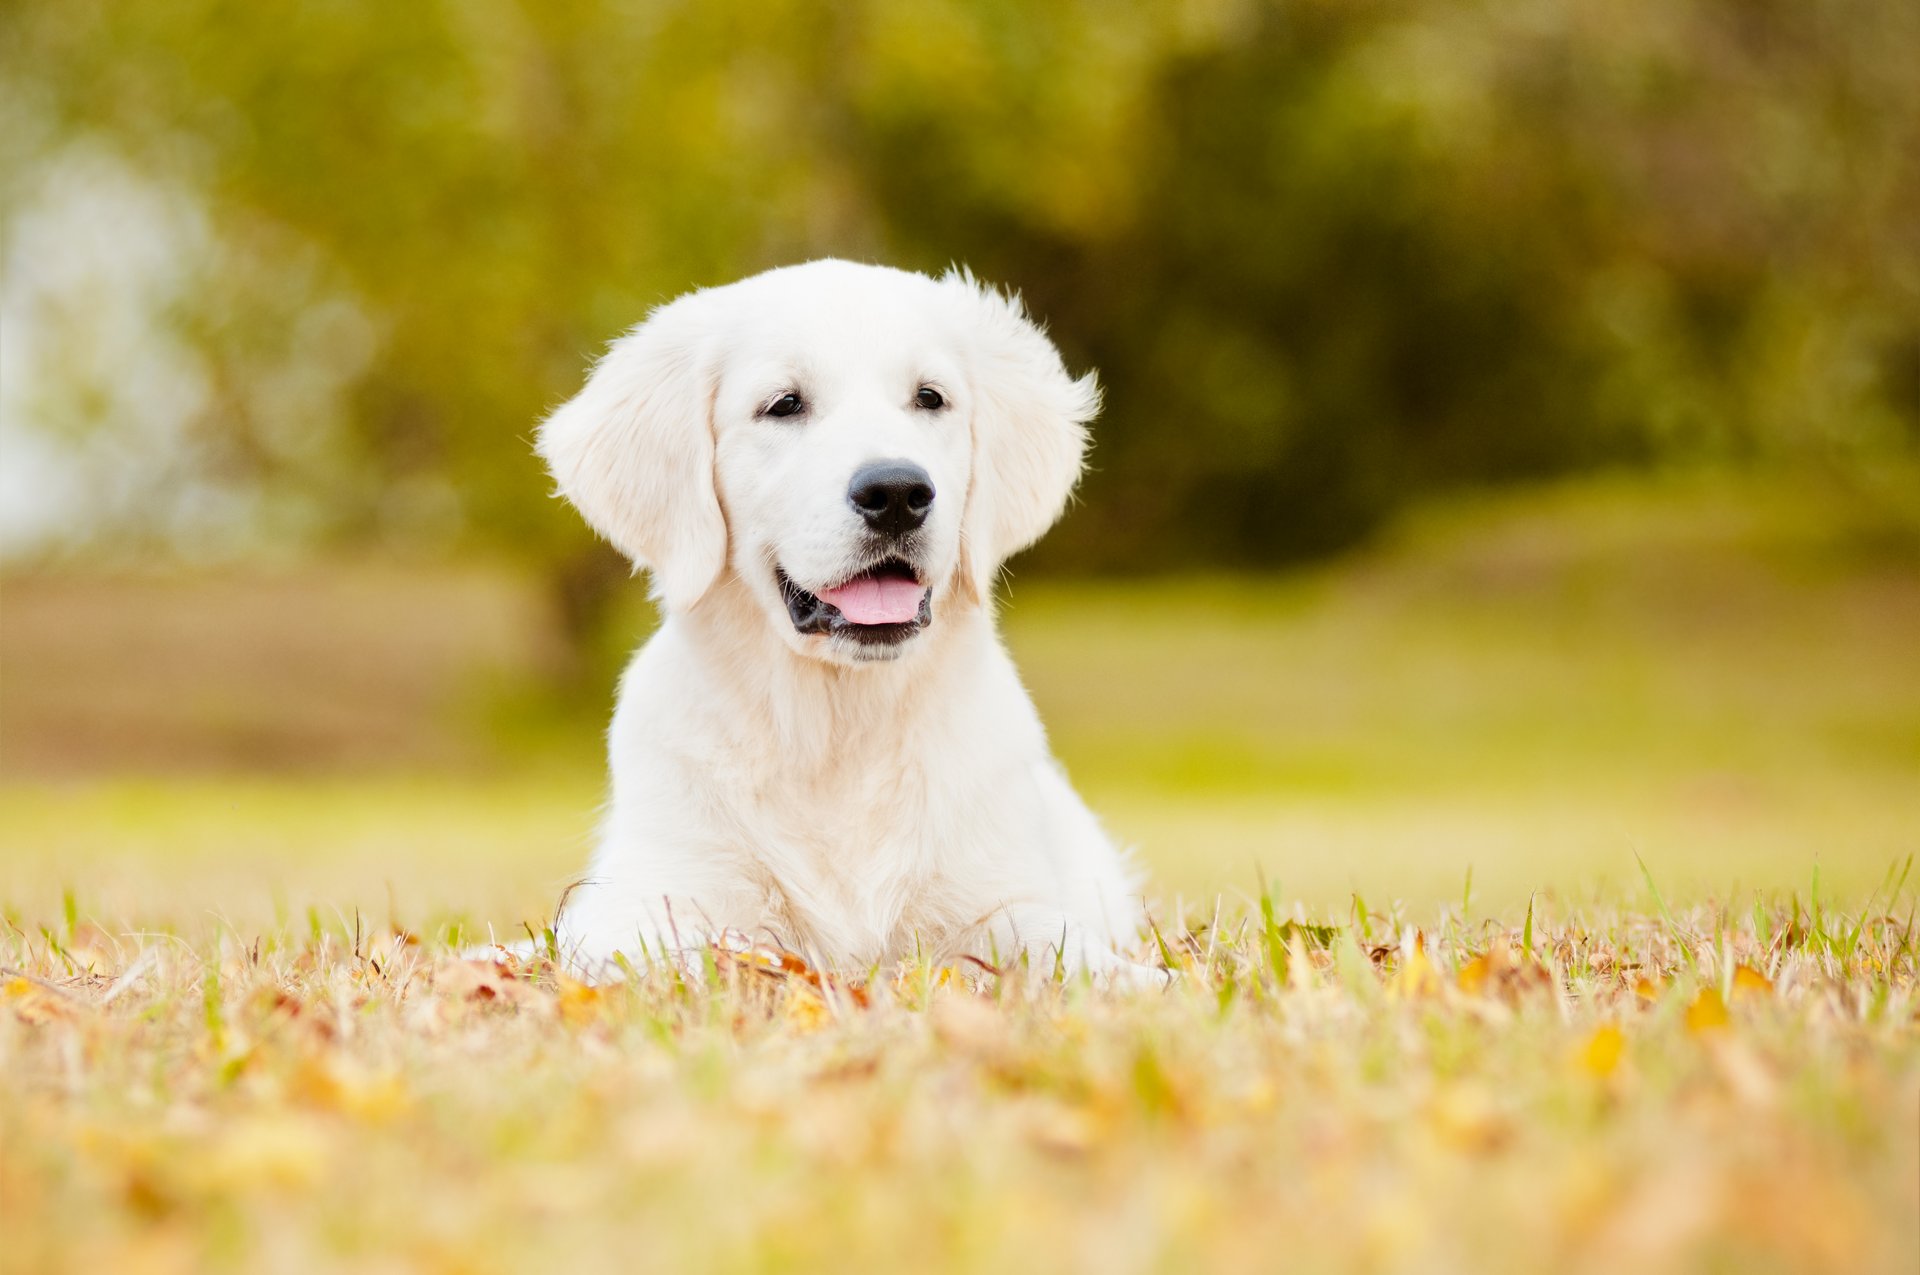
(929, 398)
(785, 405)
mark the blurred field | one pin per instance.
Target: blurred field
(1723, 679)
(313, 668)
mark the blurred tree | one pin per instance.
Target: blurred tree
(1328, 257)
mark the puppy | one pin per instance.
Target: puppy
(825, 745)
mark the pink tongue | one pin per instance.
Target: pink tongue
(888, 600)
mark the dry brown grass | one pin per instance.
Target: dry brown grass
(1723, 1090)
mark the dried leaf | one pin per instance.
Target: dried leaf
(33, 1003)
(1708, 1013)
(482, 980)
(286, 1011)
(1475, 974)
(1495, 973)
(1600, 1056)
(1416, 976)
(336, 1083)
(579, 1002)
(805, 1010)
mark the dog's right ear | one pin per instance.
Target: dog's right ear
(633, 451)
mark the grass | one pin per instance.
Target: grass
(1529, 877)
(1729, 1089)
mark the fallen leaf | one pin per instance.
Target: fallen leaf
(1748, 981)
(484, 981)
(1600, 1056)
(1708, 1013)
(340, 1084)
(579, 1002)
(289, 1013)
(33, 1003)
(1495, 973)
(805, 1010)
(1475, 974)
(1416, 976)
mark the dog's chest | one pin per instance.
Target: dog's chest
(857, 865)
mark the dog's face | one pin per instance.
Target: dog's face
(858, 448)
(843, 455)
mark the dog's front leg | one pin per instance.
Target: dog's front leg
(607, 927)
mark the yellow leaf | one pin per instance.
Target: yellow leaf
(1475, 973)
(1417, 976)
(579, 1002)
(1708, 1013)
(1648, 989)
(805, 1011)
(1496, 973)
(1601, 1055)
(337, 1083)
(32, 1003)
(1748, 981)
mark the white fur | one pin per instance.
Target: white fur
(851, 803)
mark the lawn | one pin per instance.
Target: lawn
(1535, 880)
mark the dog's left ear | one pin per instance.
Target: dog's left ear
(1029, 430)
(634, 451)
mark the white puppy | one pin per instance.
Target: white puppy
(825, 745)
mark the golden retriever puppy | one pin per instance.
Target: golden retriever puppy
(825, 745)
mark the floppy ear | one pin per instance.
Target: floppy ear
(1029, 430)
(634, 452)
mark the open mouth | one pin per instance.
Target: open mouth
(884, 604)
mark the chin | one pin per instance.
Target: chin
(842, 650)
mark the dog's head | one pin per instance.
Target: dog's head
(859, 448)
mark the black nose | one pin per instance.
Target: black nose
(894, 496)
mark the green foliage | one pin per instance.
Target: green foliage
(1328, 257)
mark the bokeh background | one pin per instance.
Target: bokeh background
(1511, 464)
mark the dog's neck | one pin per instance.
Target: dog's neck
(819, 710)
